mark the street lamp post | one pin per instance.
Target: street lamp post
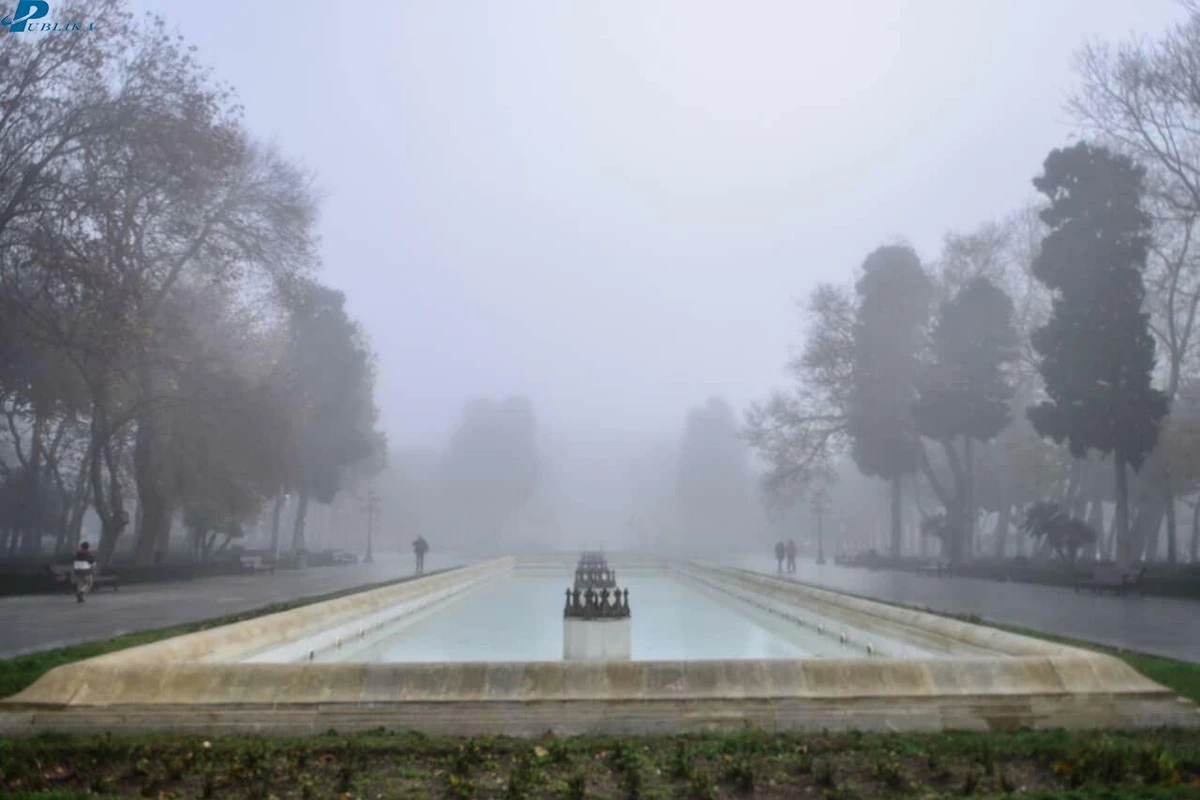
(372, 507)
(820, 536)
(286, 497)
(820, 503)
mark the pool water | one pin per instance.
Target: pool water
(518, 617)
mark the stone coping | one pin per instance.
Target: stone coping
(91, 683)
(231, 642)
(942, 633)
(155, 686)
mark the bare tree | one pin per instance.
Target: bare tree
(799, 433)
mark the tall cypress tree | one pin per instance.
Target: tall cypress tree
(889, 333)
(1096, 350)
(965, 392)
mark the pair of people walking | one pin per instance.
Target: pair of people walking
(786, 552)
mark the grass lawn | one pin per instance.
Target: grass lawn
(1032, 764)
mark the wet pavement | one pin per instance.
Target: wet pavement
(1163, 626)
(40, 622)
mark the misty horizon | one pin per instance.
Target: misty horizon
(613, 213)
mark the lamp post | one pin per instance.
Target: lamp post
(820, 501)
(372, 507)
(286, 496)
(820, 536)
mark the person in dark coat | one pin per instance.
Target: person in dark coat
(420, 548)
(83, 571)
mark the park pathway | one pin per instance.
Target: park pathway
(40, 622)
(1162, 626)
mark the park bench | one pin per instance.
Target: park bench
(342, 557)
(62, 576)
(256, 564)
(1111, 578)
(935, 566)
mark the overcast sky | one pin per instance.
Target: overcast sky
(612, 206)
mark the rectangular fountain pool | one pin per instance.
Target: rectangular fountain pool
(479, 650)
(518, 617)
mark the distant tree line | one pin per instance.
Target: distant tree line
(165, 351)
(1044, 368)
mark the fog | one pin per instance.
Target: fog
(609, 208)
(579, 240)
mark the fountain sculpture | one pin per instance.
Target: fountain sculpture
(596, 615)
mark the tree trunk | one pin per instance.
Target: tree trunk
(1195, 531)
(1073, 479)
(1095, 521)
(163, 545)
(276, 512)
(1121, 523)
(1019, 549)
(154, 499)
(139, 518)
(1172, 530)
(953, 503)
(897, 518)
(969, 511)
(1110, 539)
(31, 522)
(60, 535)
(1151, 491)
(79, 503)
(1148, 534)
(1153, 498)
(299, 550)
(108, 500)
(1003, 521)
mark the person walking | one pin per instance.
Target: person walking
(420, 548)
(779, 554)
(83, 571)
(791, 555)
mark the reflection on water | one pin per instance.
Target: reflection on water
(520, 619)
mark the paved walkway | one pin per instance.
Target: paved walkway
(41, 622)
(1162, 626)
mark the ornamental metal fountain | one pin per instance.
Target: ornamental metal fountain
(595, 577)
(596, 624)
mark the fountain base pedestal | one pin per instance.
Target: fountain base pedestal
(596, 639)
